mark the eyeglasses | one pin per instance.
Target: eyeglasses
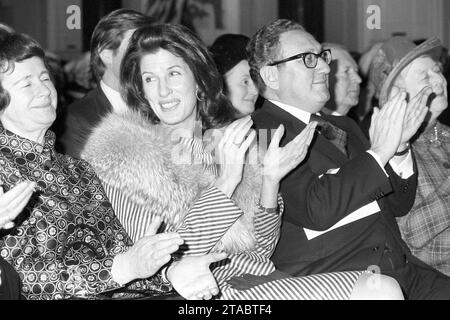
(309, 58)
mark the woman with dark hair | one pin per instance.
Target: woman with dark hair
(230, 57)
(154, 162)
(214, 109)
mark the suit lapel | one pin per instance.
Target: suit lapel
(294, 126)
(277, 116)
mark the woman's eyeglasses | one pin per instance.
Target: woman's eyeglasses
(309, 58)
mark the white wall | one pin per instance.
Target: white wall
(26, 16)
(239, 16)
(345, 20)
(231, 16)
(66, 43)
(44, 20)
(340, 18)
(416, 18)
(137, 5)
(256, 13)
(446, 14)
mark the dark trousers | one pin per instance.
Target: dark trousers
(9, 282)
(418, 280)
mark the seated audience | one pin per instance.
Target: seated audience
(108, 43)
(156, 161)
(342, 201)
(67, 241)
(231, 60)
(399, 63)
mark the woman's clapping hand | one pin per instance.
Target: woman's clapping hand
(13, 202)
(230, 154)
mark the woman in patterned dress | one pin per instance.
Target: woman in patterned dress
(67, 241)
(155, 162)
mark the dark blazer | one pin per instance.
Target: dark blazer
(81, 116)
(318, 203)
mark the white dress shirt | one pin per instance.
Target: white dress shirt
(337, 114)
(114, 97)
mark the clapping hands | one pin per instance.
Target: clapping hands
(192, 278)
(416, 112)
(230, 154)
(147, 255)
(396, 123)
(279, 161)
(13, 202)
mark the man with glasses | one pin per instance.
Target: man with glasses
(341, 202)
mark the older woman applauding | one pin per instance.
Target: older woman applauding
(67, 241)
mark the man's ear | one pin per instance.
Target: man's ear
(269, 74)
(106, 56)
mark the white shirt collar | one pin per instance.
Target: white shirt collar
(302, 115)
(114, 98)
(335, 113)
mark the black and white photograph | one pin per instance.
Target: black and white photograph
(239, 153)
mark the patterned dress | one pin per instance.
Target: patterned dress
(210, 217)
(426, 229)
(64, 241)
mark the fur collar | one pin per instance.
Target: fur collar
(135, 157)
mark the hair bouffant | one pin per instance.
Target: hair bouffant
(15, 47)
(213, 108)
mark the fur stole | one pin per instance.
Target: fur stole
(139, 159)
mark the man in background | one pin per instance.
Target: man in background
(344, 81)
(109, 42)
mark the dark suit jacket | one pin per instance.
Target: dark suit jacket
(318, 203)
(81, 116)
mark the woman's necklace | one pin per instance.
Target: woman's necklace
(434, 137)
(435, 142)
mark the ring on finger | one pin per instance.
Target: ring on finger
(8, 225)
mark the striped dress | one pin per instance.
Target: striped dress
(209, 219)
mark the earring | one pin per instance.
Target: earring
(199, 95)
